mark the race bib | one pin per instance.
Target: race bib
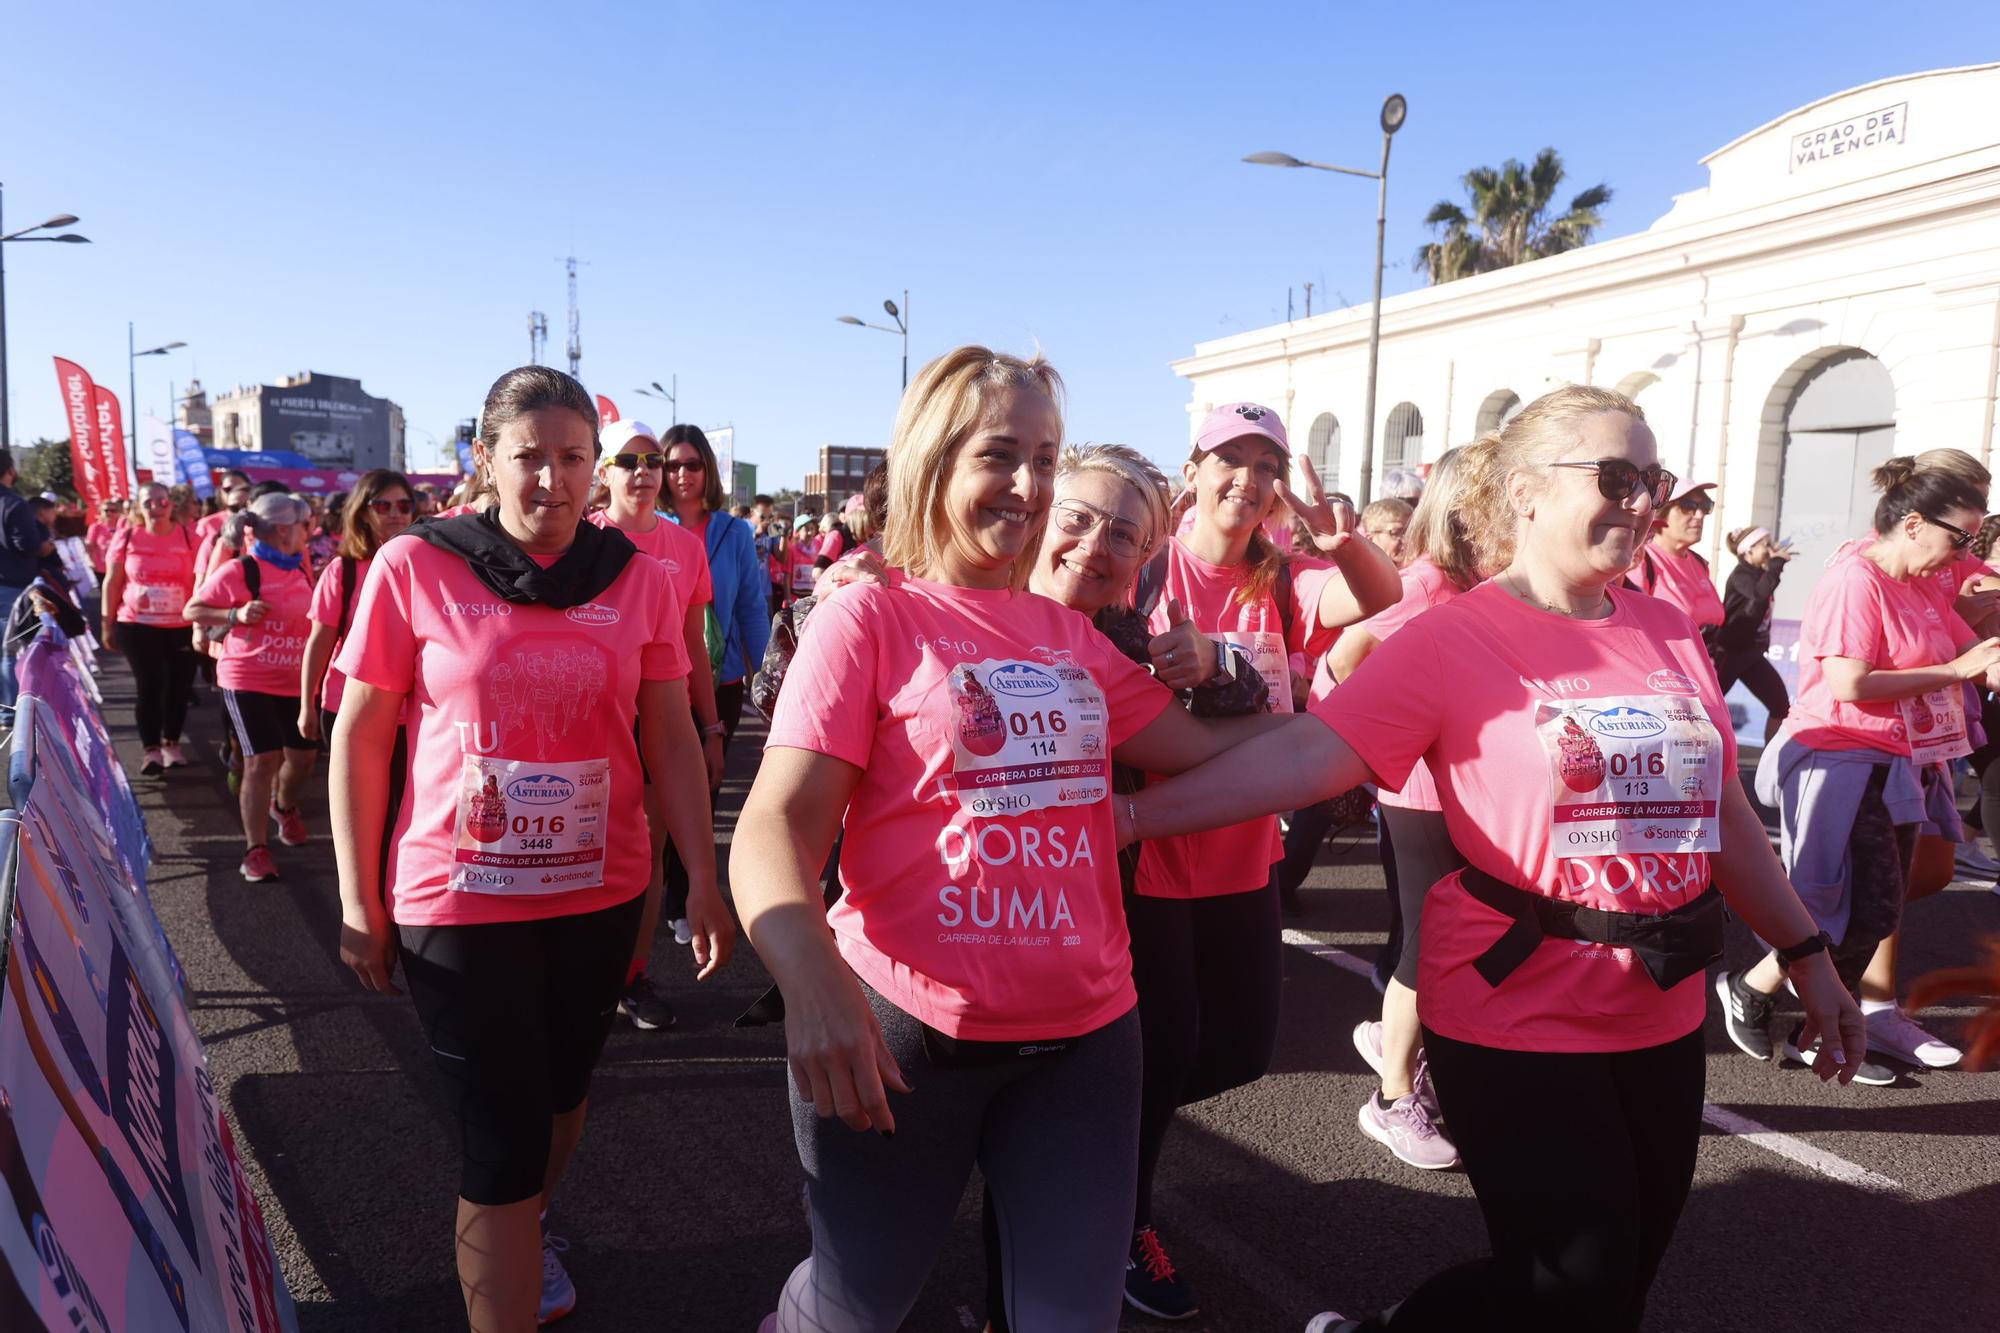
(155, 600)
(1027, 736)
(527, 826)
(1273, 663)
(1632, 774)
(1936, 723)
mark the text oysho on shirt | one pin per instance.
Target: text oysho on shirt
(526, 799)
(980, 861)
(1584, 760)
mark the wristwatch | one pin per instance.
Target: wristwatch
(1805, 948)
(1228, 667)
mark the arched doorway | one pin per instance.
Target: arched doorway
(1323, 448)
(1838, 424)
(1402, 439)
(1498, 409)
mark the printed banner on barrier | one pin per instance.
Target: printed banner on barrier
(125, 1205)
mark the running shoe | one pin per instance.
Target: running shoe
(152, 765)
(1746, 1015)
(1405, 1128)
(258, 866)
(172, 756)
(1152, 1286)
(1368, 1041)
(1893, 1032)
(1868, 1071)
(1326, 1321)
(643, 1005)
(558, 1292)
(291, 826)
(1973, 863)
(683, 932)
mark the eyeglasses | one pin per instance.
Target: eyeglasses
(686, 465)
(1074, 518)
(1960, 539)
(393, 506)
(633, 462)
(1696, 504)
(1620, 479)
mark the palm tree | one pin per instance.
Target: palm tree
(1509, 223)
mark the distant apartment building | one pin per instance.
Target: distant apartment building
(329, 419)
(842, 469)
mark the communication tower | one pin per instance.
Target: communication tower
(575, 326)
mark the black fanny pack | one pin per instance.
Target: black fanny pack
(1672, 947)
(950, 1052)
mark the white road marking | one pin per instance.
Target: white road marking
(1787, 1146)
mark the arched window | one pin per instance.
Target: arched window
(1403, 440)
(1839, 424)
(1323, 447)
(1498, 409)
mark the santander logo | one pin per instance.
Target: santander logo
(593, 613)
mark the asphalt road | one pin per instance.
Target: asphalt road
(1815, 1208)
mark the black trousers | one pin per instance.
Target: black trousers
(163, 665)
(1581, 1163)
(1758, 676)
(729, 712)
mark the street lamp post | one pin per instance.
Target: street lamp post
(132, 386)
(671, 397)
(902, 326)
(59, 220)
(1394, 111)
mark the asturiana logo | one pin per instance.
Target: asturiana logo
(593, 613)
(541, 789)
(1022, 681)
(1669, 681)
(1626, 724)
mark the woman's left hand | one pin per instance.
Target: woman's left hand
(1832, 1016)
(1183, 657)
(1332, 522)
(713, 928)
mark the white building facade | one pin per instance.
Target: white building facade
(1832, 297)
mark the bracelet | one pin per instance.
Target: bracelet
(232, 615)
(712, 729)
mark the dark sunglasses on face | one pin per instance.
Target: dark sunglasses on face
(633, 462)
(1960, 537)
(1621, 479)
(393, 506)
(686, 465)
(1697, 504)
(1076, 519)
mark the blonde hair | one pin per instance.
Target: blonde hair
(941, 409)
(1129, 466)
(1389, 508)
(1538, 435)
(1437, 531)
(1956, 463)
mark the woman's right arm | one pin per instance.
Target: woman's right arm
(363, 736)
(1851, 680)
(312, 670)
(838, 1058)
(1286, 768)
(1349, 651)
(114, 597)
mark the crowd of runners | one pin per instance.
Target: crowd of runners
(1053, 741)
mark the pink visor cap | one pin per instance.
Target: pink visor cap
(1234, 421)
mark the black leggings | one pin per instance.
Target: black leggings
(1581, 1163)
(1208, 972)
(516, 1013)
(163, 665)
(1880, 854)
(1420, 853)
(729, 712)
(1758, 676)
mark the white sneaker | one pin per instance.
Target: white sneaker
(558, 1292)
(172, 756)
(683, 932)
(1893, 1032)
(1326, 1321)
(1368, 1041)
(1972, 861)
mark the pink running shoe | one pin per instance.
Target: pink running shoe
(291, 826)
(258, 866)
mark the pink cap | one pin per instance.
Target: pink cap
(1683, 489)
(1236, 421)
(856, 504)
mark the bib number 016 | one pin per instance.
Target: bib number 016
(1036, 727)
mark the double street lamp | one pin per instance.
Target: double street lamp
(902, 326)
(1393, 112)
(132, 387)
(671, 397)
(25, 234)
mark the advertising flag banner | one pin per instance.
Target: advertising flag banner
(110, 422)
(79, 394)
(190, 465)
(723, 441)
(157, 449)
(607, 411)
(123, 1202)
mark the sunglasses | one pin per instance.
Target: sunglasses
(393, 506)
(1697, 504)
(686, 465)
(633, 462)
(1960, 537)
(1621, 479)
(1074, 518)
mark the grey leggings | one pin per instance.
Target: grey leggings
(1057, 1138)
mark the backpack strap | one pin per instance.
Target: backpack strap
(1288, 602)
(253, 577)
(347, 566)
(1151, 585)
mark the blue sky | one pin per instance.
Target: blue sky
(385, 190)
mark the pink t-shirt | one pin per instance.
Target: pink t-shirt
(97, 543)
(159, 575)
(520, 735)
(1548, 736)
(980, 864)
(676, 548)
(325, 610)
(1236, 859)
(1858, 611)
(1681, 580)
(263, 657)
(1424, 586)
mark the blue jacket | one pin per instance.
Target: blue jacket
(21, 538)
(742, 595)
